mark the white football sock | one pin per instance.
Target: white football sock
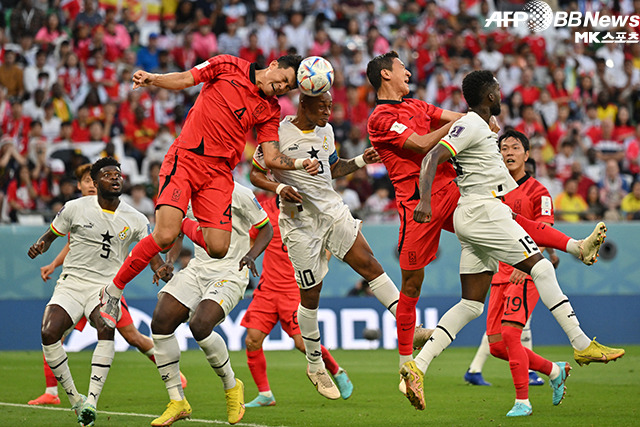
(167, 354)
(52, 390)
(544, 277)
(449, 325)
(215, 349)
(573, 247)
(481, 356)
(527, 338)
(100, 365)
(58, 361)
(386, 291)
(310, 331)
(555, 371)
(114, 291)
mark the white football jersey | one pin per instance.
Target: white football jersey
(245, 213)
(98, 239)
(477, 159)
(318, 195)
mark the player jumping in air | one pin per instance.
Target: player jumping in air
(101, 227)
(204, 293)
(317, 219)
(235, 98)
(487, 233)
(276, 299)
(403, 130)
(125, 324)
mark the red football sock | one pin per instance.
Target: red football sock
(499, 350)
(49, 378)
(406, 323)
(258, 367)
(544, 235)
(329, 362)
(539, 363)
(190, 228)
(518, 360)
(139, 258)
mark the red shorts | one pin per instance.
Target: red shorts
(418, 243)
(510, 303)
(125, 318)
(266, 308)
(205, 181)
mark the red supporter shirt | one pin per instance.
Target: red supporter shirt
(531, 200)
(390, 124)
(228, 106)
(277, 271)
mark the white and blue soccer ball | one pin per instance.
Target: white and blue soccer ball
(315, 76)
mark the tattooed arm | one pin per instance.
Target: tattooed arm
(274, 159)
(344, 167)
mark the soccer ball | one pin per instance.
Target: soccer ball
(315, 76)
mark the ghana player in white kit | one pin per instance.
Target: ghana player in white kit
(101, 228)
(487, 232)
(316, 219)
(204, 293)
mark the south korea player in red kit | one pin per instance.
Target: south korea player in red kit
(235, 98)
(513, 295)
(403, 130)
(276, 299)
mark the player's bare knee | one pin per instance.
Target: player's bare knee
(165, 236)
(252, 344)
(200, 329)
(217, 251)
(49, 337)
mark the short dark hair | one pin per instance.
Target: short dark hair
(512, 133)
(103, 162)
(82, 170)
(377, 64)
(475, 86)
(290, 61)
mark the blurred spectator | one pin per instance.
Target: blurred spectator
(298, 34)
(148, 55)
(50, 123)
(80, 126)
(379, 206)
(139, 200)
(22, 193)
(26, 19)
(90, 16)
(34, 106)
(40, 75)
(559, 94)
(607, 147)
(68, 191)
(72, 76)
(11, 75)
(595, 209)
(548, 111)
(349, 197)
(531, 123)
(230, 42)
(630, 205)
(102, 77)
(252, 51)
(139, 134)
(623, 129)
(569, 205)
(267, 40)
(17, 127)
(361, 184)
(529, 92)
(205, 43)
(613, 187)
(490, 57)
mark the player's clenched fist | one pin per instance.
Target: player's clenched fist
(422, 212)
(141, 79)
(311, 166)
(36, 249)
(370, 155)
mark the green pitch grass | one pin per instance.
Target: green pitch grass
(598, 395)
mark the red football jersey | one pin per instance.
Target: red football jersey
(277, 272)
(228, 106)
(390, 124)
(531, 200)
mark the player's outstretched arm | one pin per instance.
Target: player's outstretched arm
(424, 143)
(449, 116)
(344, 167)
(438, 155)
(47, 270)
(172, 81)
(259, 245)
(274, 159)
(259, 178)
(42, 244)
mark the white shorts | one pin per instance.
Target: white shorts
(308, 236)
(77, 298)
(192, 285)
(488, 234)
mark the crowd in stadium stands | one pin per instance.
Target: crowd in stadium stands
(66, 96)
